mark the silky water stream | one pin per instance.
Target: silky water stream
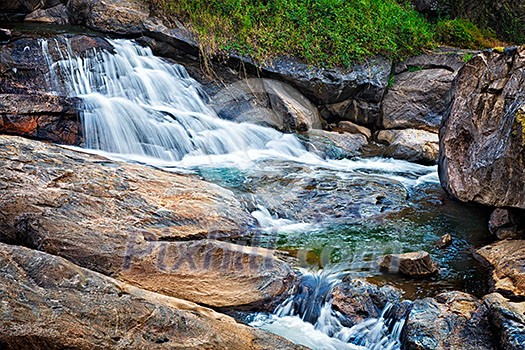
(324, 212)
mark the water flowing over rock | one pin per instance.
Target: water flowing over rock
(507, 261)
(50, 303)
(135, 223)
(451, 321)
(482, 139)
(508, 318)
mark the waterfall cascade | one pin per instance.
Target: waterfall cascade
(143, 108)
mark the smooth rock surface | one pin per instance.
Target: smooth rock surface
(451, 321)
(350, 143)
(267, 102)
(482, 139)
(50, 303)
(135, 223)
(410, 144)
(509, 320)
(507, 261)
(416, 264)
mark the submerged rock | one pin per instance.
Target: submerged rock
(450, 321)
(508, 319)
(410, 144)
(507, 261)
(50, 303)
(322, 141)
(134, 223)
(483, 136)
(417, 264)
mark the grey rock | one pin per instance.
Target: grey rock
(410, 144)
(56, 15)
(508, 318)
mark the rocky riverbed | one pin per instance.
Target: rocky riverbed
(98, 253)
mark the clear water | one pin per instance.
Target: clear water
(140, 108)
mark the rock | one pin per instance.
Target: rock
(366, 81)
(359, 300)
(41, 116)
(482, 139)
(26, 6)
(50, 303)
(410, 144)
(124, 17)
(267, 102)
(508, 319)
(444, 241)
(507, 261)
(505, 223)
(180, 41)
(416, 264)
(322, 142)
(357, 111)
(134, 223)
(55, 15)
(420, 94)
(350, 127)
(451, 321)
(5, 35)
(425, 6)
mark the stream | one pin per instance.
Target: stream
(333, 217)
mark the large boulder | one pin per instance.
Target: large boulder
(50, 303)
(420, 94)
(507, 223)
(415, 264)
(508, 319)
(450, 321)
(507, 261)
(410, 144)
(134, 223)
(267, 102)
(482, 140)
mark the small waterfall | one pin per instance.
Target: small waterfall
(140, 105)
(308, 318)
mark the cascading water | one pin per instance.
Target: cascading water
(307, 317)
(138, 107)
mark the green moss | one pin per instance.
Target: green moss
(465, 34)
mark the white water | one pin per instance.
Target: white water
(138, 107)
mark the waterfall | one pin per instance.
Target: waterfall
(308, 318)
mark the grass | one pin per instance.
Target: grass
(321, 32)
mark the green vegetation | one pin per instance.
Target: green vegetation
(325, 32)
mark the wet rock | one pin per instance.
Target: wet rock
(508, 319)
(507, 261)
(359, 300)
(50, 303)
(41, 116)
(5, 35)
(420, 94)
(366, 81)
(123, 17)
(451, 321)
(56, 15)
(410, 144)
(135, 223)
(482, 138)
(350, 127)
(416, 264)
(323, 141)
(444, 241)
(267, 102)
(506, 223)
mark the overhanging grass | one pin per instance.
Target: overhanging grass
(327, 32)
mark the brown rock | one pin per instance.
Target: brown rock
(451, 321)
(444, 241)
(508, 319)
(507, 260)
(356, 111)
(410, 144)
(56, 15)
(354, 128)
(506, 223)
(50, 303)
(482, 141)
(41, 116)
(135, 223)
(416, 264)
